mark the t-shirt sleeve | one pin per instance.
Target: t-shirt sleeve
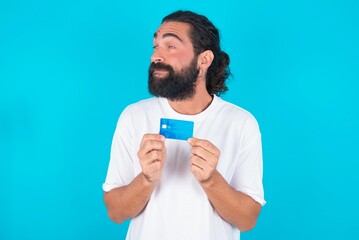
(121, 167)
(248, 173)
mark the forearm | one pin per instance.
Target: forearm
(128, 201)
(233, 206)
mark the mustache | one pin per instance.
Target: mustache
(160, 66)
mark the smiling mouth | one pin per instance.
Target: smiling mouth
(160, 73)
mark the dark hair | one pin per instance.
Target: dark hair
(205, 36)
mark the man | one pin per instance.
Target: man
(208, 187)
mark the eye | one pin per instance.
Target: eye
(155, 46)
(171, 47)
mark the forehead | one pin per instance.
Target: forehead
(174, 29)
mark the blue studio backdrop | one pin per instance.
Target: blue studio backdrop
(68, 69)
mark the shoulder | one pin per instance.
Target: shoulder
(140, 106)
(239, 124)
(138, 110)
(142, 116)
(236, 113)
(143, 108)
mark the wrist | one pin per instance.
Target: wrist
(147, 182)
(209, 182)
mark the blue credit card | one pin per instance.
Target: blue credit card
(176, 129)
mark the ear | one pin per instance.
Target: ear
(205, 59)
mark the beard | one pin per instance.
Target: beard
(174, 86)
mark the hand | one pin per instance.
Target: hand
(152, 155)
(204, 159)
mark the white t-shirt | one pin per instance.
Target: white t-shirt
(178, 207)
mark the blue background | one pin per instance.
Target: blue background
(68, 68)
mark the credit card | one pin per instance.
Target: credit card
(176, 129)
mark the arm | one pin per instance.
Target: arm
(128, 201)
(233, 206)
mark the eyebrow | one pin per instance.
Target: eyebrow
(168, 35)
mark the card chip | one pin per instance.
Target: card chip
(176, 129)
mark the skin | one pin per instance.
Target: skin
(173, 46)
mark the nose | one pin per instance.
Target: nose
(157, 56)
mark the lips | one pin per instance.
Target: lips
(159, 72)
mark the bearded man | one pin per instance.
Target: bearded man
(206, 187)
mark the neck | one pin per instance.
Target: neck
(197, 104)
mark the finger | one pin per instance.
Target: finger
(153, 137)
(200, 169)
(150, 142)
(150, 171)
(207, 158)
(201, 152)
(164, 154)
(205, 144)
(154, 167)
(198, 162)
(152, 157)
(198, 172)
(148, 146)
(207, 165)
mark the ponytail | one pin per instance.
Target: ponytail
(217, 74)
